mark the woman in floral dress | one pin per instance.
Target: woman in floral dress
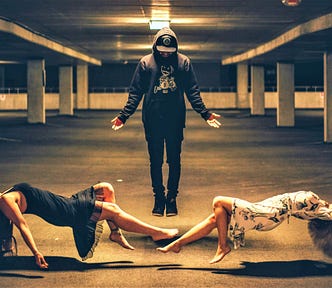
(235, 217)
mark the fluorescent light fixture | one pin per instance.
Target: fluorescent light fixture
(9, 62)
(158, 24)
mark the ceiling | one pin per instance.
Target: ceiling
(118, 30)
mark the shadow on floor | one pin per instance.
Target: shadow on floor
(57, 264)
(271, 269)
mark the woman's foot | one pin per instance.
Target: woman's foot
(221, 253)
(116, 236)
(164, 234)
(174, 247)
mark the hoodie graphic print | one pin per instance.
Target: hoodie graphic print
(166, 82)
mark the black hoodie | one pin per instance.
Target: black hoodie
(155, 77)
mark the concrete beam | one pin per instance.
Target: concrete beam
(315, 25)
(36, 38)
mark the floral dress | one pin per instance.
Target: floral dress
(271, 212)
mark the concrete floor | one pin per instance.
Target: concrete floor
(249, 157)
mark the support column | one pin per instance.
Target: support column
(257, 104)
(285, 89)
(36, 91)
(328, 97)
(242, 100)
(2, 84)
(2, 77)
(82, 87)
(66, 97)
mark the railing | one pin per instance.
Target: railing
(21, 90)
(309, 88)
(13, 90)
(298, 88)
(109, 89)
(18, 90)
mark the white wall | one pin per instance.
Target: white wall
(116, 101)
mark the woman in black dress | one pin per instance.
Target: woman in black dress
(83, 211)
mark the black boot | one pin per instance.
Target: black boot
(159, 205)
(171, 209)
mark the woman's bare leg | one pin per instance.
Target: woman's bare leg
(222, 207)
(127, 222)
(105, 192)
(199, 231)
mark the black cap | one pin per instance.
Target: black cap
(166, 43)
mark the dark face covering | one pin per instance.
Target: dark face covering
(170, 60)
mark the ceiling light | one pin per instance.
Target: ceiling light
(9, 62)
(158, 24)
(291, 3)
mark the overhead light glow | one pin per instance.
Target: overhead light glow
(9, 62)
(291, 3)
(158, 24)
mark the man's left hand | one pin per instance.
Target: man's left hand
(213, 122)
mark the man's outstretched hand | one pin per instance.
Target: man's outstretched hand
(213, 122)
(117, 124)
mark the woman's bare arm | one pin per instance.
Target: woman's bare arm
(10, 208)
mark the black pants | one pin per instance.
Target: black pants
(156, 146)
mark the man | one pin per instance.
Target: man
(163, 77)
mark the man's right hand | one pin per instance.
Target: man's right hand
(117, 124)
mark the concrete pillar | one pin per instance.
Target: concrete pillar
(36, 91)
(82, 87)
(66, 96)
(285, 89)
(328, 97)
(257, 104)
(2, 77)
(242, 97)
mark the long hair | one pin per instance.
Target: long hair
(321, 235)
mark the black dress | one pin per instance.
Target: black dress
(79, 212)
